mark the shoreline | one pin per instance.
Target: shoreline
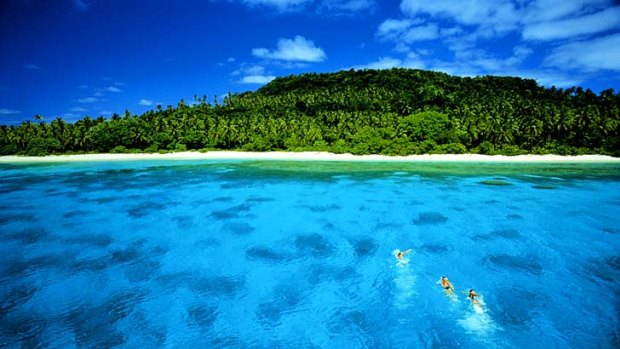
(310, 156)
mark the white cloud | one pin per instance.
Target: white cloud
(31, 66)
(336, 7)
(282, 5)
(256, 79)
(485, 65)
(254, 70)
(78, 109)
(106, 112)
(98, 94)
(393, 28)
(112, 89)
(468, 62)
(146, 102)
(551, 10)
(598, 54)
(4, 111)
(246, 69)
(552, 78)
(486, 19)
(297, 49)
(252, 74)
(462, 25)
(87, 100)
(118, 83)
(348, 5)
(421, 33)
(406, 31)
(83, 87)
(449, 32)
(228, 61)
(469, 12)
(260, 52)
(382, 63)
(536, 20)
(572, 27)
(414, 61)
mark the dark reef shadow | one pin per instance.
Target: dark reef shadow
(526, 264)
(313, 244)
(430, 218)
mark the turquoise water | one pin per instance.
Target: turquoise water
(296, 254)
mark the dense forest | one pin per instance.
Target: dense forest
(393, 112)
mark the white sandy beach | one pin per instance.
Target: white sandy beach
(310, 156)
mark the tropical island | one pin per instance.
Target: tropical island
(395, 112)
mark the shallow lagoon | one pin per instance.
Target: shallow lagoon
(274, 254)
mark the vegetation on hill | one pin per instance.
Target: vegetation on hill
(393, 112)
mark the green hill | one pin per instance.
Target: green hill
(394, 112)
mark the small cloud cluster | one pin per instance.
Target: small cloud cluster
(289, 53)
(93, 99)
(256, 79)
(413, 60)
(253, 74)
(347, 6)
(4, 111)
(87, 100)
(333, 6)
(99, 92)
(298, 49)
(146, 102)
(229, 60)
(282, 5)
(112, 89)
(590, 56)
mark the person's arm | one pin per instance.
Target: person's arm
(405, 252)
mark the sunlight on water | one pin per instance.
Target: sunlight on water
(272, 254)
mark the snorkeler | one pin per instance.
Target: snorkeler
(447, 285)
(401, 254)
(472, 296)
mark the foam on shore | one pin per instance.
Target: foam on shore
(310, 156)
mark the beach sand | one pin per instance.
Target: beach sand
(309, 156)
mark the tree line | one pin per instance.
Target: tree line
(392, 112)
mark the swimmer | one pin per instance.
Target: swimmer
(472, 296)
(402, 254)
(447, 285)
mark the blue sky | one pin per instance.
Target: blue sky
(70, 58)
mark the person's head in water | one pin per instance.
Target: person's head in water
(445, 283)
(401, 254)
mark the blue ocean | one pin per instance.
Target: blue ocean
(276, 254)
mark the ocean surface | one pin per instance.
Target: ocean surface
(268, 254)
